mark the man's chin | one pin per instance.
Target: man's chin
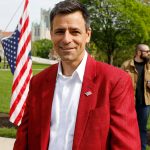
(66, 59)
(146, 59)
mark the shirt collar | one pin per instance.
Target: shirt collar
(80, 69)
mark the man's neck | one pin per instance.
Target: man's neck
(138, 59)
(69, 67)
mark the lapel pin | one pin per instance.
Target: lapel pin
(88, 93)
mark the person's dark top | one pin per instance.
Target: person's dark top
(140, 82)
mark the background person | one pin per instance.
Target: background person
(139, 70)
(79, 103)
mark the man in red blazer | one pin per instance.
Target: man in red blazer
(79, 103)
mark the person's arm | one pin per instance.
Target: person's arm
(124, 131)
(124, 67)
(22, 133)
(21, 142)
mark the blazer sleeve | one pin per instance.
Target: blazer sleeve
(124, 131)
(21, 142)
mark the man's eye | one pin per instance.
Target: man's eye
(75, 32)
(59, 32)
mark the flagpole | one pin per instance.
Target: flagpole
(13, 15)
(4, 61)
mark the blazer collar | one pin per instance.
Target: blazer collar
(46, 105)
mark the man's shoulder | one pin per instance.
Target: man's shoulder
(49, 71)
(112, 75)
(109, 70)
(128, 62)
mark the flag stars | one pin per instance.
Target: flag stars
(10, 47)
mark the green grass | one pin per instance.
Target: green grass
(148, 124)
(8, 132)
(148, 148)
(39, 66)
(6, 79)
(5, 90)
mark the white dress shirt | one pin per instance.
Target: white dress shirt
(65, 106)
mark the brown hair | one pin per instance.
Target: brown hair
(67, 7)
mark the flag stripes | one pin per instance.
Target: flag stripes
(23, 65)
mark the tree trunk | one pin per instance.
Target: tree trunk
(110, 59)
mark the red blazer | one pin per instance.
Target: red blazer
(106, 119)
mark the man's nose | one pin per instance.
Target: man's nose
(67, 38)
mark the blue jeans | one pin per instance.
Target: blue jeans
(142, 116)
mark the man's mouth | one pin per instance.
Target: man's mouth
(67, 48)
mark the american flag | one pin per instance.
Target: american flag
(17, 49)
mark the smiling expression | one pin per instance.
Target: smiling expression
(69, 36)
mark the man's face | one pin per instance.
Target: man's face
(144, 52)
(69, 36)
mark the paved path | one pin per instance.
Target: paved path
(6, 143)
(44, 61)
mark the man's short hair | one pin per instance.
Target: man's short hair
(67, 7)
(139, 46)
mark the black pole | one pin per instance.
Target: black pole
(4, 61)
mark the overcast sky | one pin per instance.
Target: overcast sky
(9, 7)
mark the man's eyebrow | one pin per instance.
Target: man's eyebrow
(74, 28)
(59, 29)
(71, 28)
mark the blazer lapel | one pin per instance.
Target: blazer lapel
(47, 97)
(86, 102)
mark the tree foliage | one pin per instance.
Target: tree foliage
(117, 25)
(41, 48)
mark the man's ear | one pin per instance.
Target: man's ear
(89, 32)
(51, 33)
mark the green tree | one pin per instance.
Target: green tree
(118, 24)
(41, 48)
